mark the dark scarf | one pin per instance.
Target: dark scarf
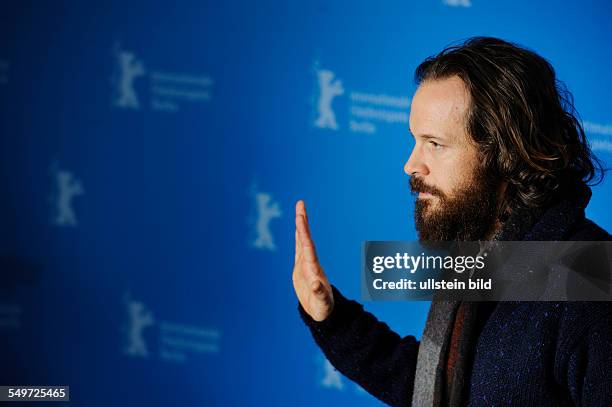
(452, 328)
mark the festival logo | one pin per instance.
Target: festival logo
(366, 110)
(600, 136)
(266, 209)
(128, 69)
(146, 337)
(458, 3)
(139, 318)
(65, 189)
(163, 90)
(329, 88)
(330, 378)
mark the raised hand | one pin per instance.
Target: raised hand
(309, 281)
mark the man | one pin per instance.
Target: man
(498, 155)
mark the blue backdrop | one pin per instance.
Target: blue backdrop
(151, 157)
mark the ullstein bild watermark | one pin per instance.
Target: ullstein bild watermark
(486, 271)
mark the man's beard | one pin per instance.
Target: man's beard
(468, 215)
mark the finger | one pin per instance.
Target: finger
(298, 247)
(301, 209)
(308, 249)
(298, 244)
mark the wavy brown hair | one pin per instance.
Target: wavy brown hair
(521, 117)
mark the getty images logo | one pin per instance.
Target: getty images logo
(65, 188)
(128, 68)
(329, 88)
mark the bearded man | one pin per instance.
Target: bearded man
(499, 155)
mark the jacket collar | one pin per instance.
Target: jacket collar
(551, 223)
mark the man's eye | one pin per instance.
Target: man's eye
(435, 145)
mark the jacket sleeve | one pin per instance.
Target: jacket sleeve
(589, 366)
(366, 350)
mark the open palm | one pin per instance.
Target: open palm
(309, 281)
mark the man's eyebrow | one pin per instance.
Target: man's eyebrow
(427, 136)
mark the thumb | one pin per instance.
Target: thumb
(318, 288)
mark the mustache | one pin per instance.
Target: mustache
(418, 185)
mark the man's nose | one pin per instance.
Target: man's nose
(415, 164)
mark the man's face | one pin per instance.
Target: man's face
(457, 198)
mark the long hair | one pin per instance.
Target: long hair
(521, 118)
